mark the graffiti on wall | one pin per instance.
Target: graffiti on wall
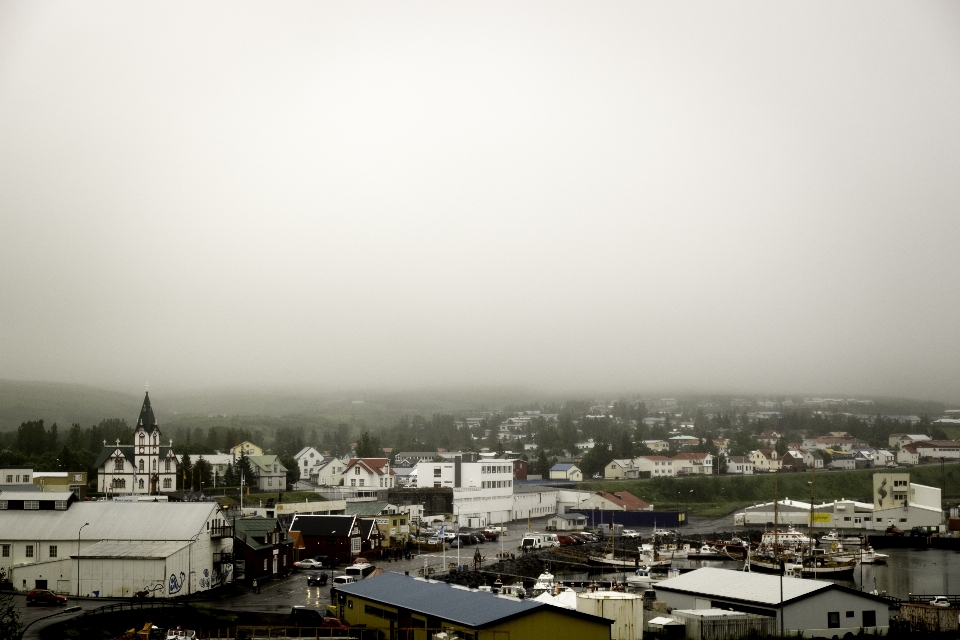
(175, 584)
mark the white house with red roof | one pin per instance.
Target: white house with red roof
(368, 473)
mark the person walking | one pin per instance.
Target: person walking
(256, 587)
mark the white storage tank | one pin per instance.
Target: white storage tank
(625, 609)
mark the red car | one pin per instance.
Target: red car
(44, 596)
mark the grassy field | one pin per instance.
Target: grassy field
(720, 495)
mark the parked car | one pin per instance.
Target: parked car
(317, 579)
(586, 536)
(478, 537)
(497, 528)
(44, 597)
(565, 540)
(490, 535)
(920, 532)
(940, 601)
(630, 533)
(466, 538)
(893, 530)
(303, 617)
(309, 563)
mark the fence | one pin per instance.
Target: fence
(723, 629)
(135, 605)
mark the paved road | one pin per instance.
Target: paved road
(40, 617)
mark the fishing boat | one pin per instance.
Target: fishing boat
(643, 578)
(788, 538)
(868, 556)
(179, 633)
(815, 565)
(546, 583)
(673, 551)
(706, 552)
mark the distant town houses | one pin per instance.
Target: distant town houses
(741, 465)
(566, 472)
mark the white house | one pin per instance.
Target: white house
(656, 466)
(17, 478)
(740, 465)
(307, 458)
(656, 445)
(688, 464)
(371, 473)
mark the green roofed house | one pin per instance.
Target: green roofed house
(269, 473)
(261, 549)
(395, 602)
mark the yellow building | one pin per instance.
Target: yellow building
(416, 609)
(245, 447)
(75, 481)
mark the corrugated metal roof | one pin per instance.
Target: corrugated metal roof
(110, 521)
(741, 585)
(26, 494)
(451, 603)
(133, 549)
(365, 508)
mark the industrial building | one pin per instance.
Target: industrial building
(115, 549)
(393, 601)
(815, 607)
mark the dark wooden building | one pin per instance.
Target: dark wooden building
(261, 549)
(339, 538)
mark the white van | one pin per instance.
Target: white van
(534, 541)
(341, 580)
(550, 540)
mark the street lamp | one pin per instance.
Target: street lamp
(456, 511)
(86, 524)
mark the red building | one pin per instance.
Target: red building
(338, 538)
(519, 469)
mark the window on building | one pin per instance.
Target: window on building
(167, 484)
(118, 464)
(53, 551)
(140, 465)
(120, 483)
(142, 438)
(61, 505)
(154, 465)
(140, 483)
(28, 551)
(5, 550)
(436, 484)
(10, 479)
(361, 482)
(849, 614)
(436, 472)
(353, 482)
(33, 505)
(269, 482)
(356, 471)
(869, 619)
(166, 465)
(26, 478)
(833, 620)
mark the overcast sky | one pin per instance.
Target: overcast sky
(751, 196)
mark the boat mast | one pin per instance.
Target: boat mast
(813, 497)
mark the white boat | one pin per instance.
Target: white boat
(833, 536)
(651, 557)
(546, 583)
(789, 538)
(706, 552)
(868, 556)
(178, 633)
(674, 552)
(643, 578)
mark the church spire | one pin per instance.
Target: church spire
(146, 419)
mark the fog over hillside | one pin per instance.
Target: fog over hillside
(560, 197)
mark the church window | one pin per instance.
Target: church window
(166, 483)
(154, 465)
(118, 464)
(141, 466)
(140, 482)
(119, 483)
(166, 464)
(142, 437)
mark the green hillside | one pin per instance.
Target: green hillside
(717, 495)
(62, 403)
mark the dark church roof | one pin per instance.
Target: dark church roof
(147, 419)
(324, 526)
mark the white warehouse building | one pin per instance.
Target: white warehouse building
(167, 549)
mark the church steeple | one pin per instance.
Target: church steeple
(146, 419)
